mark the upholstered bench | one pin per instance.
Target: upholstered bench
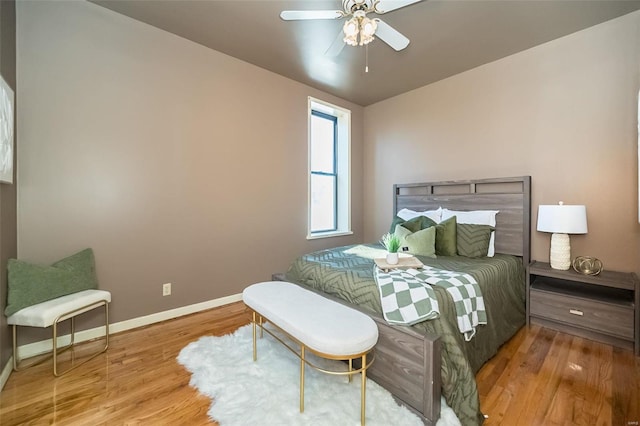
(54, 311)
(45, 295)
(326, 328)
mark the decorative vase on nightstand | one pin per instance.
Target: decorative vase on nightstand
(587, 265)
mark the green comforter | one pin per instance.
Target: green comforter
(347, 273)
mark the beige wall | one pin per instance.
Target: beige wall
(564, 112)
(174, 162)
(7, 191)
(165, 156)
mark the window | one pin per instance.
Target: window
(329, 176)
(324, 176)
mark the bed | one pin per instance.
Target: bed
(419, 362)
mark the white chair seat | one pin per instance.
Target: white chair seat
(321, 324)
(45, 313)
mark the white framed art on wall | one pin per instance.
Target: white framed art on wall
(6, 132)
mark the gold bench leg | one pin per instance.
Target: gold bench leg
(253, 322)
(258, 320)
(363, 390)
(302, 378)
(16, 361)
(57, 350)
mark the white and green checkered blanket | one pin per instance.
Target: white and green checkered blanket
(407, 297)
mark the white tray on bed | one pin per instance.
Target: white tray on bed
(405, 261)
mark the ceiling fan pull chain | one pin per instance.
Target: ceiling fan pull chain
(366, 58)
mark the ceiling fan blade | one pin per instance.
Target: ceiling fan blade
(391, 36)
(337, 45)
(296, 15)
(385, 6)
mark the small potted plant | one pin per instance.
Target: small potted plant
(392, 243)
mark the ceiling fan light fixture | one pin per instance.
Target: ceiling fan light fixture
(359, 30)
(351, 29)
(367, 30)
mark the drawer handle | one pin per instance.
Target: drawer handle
(576, 312)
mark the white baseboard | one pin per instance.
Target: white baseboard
(6, 372)
(43, 346)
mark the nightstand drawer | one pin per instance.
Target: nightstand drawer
(591, 314)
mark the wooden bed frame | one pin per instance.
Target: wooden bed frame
(408, 363)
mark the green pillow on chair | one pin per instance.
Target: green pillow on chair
(30, 284)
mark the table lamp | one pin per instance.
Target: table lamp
(561, 220)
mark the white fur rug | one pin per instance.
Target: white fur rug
(266, 392)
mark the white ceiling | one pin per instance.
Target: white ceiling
(447, 37)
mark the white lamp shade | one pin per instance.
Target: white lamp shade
(562, 219)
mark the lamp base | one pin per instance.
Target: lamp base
(560, 255)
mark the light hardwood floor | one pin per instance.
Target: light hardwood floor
(540, 377)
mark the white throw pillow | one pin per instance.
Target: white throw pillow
(406, 214)
(476, 217)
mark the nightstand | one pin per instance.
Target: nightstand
(603, 307)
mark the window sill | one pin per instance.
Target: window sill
(318, 235)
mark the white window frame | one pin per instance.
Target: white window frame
(343, 168)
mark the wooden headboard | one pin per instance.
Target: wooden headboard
(511, 196)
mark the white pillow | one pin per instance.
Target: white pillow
(406, 214)
(476, 217)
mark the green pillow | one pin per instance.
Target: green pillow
(413, 225)
(473, 240)
(420, 243)
(396, 221)
(30, 284)
(446, 244)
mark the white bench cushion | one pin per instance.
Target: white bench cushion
(43, 314)
(321, 324)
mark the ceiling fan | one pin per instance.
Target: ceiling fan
(359, 30)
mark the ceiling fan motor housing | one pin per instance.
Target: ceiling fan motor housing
(355, 6)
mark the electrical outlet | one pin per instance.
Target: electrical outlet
(166, 289)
